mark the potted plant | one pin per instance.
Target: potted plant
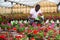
(57, 37)
(14, 22)
(1, 19)
(2, 37)
(3, 27)
(41, 34)
(50, 34)
(21, 30)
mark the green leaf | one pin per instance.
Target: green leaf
(21, 29)
(17, 26)
(1, 19)
(57, 37)
(31, 28)
(41, 34)
(50, 33)
(37, 19)
(15, 39)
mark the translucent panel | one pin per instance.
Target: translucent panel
(6, 4)
(32, 2)
(55, 1)
(26, 2)
(1, 0)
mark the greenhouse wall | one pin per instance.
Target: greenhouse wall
(45, 7)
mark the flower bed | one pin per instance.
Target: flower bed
(24, 31)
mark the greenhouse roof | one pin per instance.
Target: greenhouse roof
(25, 2)
(54, 1)
(6, 4)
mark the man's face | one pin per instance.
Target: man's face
(37, 8)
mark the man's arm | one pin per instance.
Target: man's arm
(40, 14)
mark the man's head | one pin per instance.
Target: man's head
(37, 7)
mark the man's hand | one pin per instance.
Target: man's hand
(39, 14)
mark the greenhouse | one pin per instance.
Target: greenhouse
(29, 19)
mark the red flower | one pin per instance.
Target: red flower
(38, 25)
(59, 31)
(32, 38)
(42, 28)
(35, 31)
(14, 29)
(29, 31)
(45, 33)
(55, 17)
(2, 37)
(48, 28)
(18, 37)
(59, 17)
(50, 17)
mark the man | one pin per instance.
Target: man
(35, 12)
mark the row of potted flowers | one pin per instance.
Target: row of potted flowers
(52, 17)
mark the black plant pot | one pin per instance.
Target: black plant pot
(30, 36)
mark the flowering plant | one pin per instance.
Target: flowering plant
(1, 19)
(57, 37)
(5, 26)
(2, 37)
(14, 22)
(41, 34)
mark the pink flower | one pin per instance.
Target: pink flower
(52, 25)
(2, 23)
(9, 24)
(21, 25)
(49, 28)
(34, 24)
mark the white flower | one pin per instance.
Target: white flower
(16, 22)
(52, 21)
(25, 21)
(26, 28)
(42, 17)
(12, 22)
(57, 21)
(21, 21)
(47, 21)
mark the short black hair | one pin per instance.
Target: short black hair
(37, 6)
